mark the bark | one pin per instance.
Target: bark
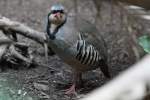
(19, 28)
(3, 48)
(7, 45)
(18, 55)
(14, 27)
(5, 41)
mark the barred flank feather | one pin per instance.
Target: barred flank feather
(87, 54)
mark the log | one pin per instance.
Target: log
(19, 28)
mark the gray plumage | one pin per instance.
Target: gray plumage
(77, 42)
(80, 45)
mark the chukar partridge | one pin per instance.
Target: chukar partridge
(78, 43)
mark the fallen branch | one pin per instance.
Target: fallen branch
(19, 28)
(16, 27)
(18, 55)
(9, 51)
(3, 47)
(133, 84)
(5, 41)
(13, 27)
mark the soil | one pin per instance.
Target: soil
(46, 84)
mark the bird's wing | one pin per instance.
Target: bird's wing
(86, 52)
(84, 33)
(92, 37)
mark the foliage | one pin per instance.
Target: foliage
(144, 42)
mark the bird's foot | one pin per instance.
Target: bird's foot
(71, 90)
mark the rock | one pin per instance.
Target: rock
(44, 96)
(40, 86)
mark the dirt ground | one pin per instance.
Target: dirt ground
(43, 82)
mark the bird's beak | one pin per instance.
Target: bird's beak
(58, 15)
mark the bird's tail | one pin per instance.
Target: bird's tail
(104, 68)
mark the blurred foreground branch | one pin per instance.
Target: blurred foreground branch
(142, 3)
(133, 84)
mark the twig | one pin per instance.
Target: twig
(44, 65)
(5, 41)
(18, 55)
(46, 52)
(21, 45)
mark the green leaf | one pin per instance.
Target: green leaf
(144, 42)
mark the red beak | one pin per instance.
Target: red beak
(58, 15)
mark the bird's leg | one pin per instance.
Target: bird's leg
(71, 90)
(76, 82)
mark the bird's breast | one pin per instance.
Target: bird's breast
(79, 55)
(63, 49)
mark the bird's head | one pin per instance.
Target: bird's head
(55, 19)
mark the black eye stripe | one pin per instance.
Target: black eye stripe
(56, 11)
(61, 11)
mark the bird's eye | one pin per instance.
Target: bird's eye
(61, 11)
(54, 11)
